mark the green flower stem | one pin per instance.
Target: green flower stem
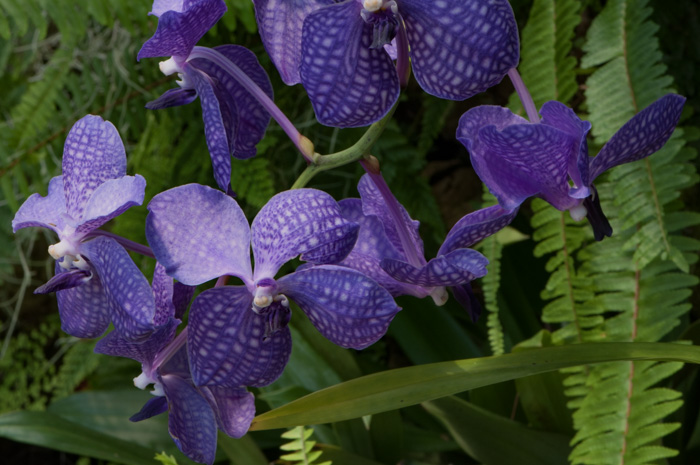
(359, 150)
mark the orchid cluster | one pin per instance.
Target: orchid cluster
(353, 57)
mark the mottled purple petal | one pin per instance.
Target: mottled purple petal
(84, 310)
(116, 345)
(182, 295)
(163, 294)
(301, 221)
(641, 136)
(225, 341)
(153, 407)
(280, 24)
(111, 199)
(524, 160)
(250, 118)
(347, 307)
(93, 153)
(560, 116)
(484, 115)
(215, 131)
(234, 408)
(371, 248)
(373, 203)
(173, 98)
(43, 212)
(212, 239)
(132, 306)
(179, 31)
(191, 421)
(453, 269)
(65, 280)
(460, 48)
(466, 298)
(349, 84)
(476, 226)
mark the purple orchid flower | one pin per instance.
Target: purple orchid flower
(96, 281)
(194, 412)
(517, 159)
(338, 50)
(238, 335)
(228, 80)
(390, 251)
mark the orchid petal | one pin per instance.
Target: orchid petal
(163, 287)
(226, 342)
(524, 160)
(173, 98)
(484, 115)
(191, 421)
(347, 307)
(459, 48)
(179, 31)
(373, 203)
(558, 115)
(234, 408)
(116, 345)
(453, 269)
(182, 295)
(641, 136)
(66, 280)
(211, 240)
(43, 212)
(371, 248)
(349, 83)
(111, 199)
(301, 221)
(466, 298)
(93, 153)
(153, 407)
(84, 310)
(476, 226)
(131, 302)
(248, 120)
(280, 24)
(215, 130)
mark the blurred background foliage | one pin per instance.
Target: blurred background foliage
(61, 60)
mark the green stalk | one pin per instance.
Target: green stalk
(344, 157)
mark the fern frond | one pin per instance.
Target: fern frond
(547, 66)
(301, 447)
(492, 249)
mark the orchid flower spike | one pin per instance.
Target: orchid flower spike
(234, 119)
(549, 159)
(390, 251)
(343, 51)
(96, 281)
(194, 413)
(238, 335)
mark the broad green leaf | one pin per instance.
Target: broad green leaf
(338, 456)
(48, 430)
(387, 433)
(393, 389)
(109, 411)
(482, 435)
(243, 451)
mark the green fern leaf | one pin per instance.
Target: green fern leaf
(301, 446)
(547, 66)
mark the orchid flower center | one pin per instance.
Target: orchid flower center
(68, 251)
(143, 380)
(578, 212)
(272, 306)
(172, 66)
(383, 15)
